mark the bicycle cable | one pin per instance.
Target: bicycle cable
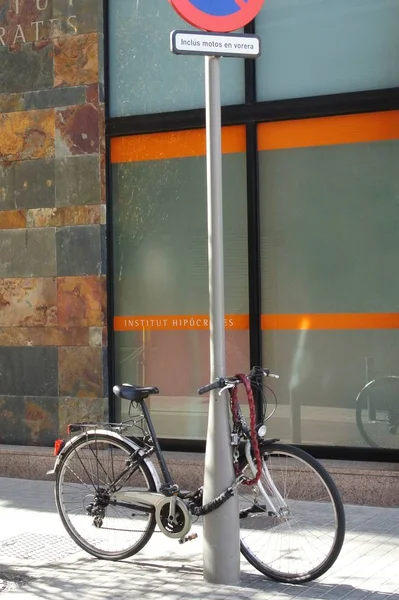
(200, 511)
(254, 437)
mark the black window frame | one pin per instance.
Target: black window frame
(249, 114)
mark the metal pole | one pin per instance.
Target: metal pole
(221, 527)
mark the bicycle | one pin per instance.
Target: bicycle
(377, 412)
(110, 498)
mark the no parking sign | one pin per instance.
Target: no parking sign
(217, 15)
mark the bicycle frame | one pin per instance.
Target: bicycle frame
(167, 493)
(169, 481)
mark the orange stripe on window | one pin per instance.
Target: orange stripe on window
(295, 322)
(176, 144)
(331, 321)
(327, 131)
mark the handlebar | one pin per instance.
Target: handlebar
(222, 382)
(211, 386)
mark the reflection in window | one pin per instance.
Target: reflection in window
(161, 270)
(329, 274)
(316, 47)
(145, 77)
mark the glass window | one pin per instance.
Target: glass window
(316, 47)
(161, 270)
(330, 283)
(145, 77)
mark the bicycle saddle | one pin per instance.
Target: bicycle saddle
(134, 393)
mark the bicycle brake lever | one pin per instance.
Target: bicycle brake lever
(228, 386)
(267, 373)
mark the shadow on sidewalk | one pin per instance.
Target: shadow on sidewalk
(32, 495)
(146, 580)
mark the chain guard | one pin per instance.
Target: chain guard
(177, 529)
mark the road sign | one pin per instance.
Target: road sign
(217, 15)
(215, 44)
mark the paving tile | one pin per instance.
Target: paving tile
(12, 219)
(26, 68)
(78, 251)
(28, 371)
(28, 421)
(45, 336)
(76, 60)
(27, 135)
(81, 372)
(60, 216)
(77, 131)
(93, 94)
(66, 96)
(81, 301)
(11, 102)
(27, 253)
(27, 184)
(30, 302)
(78, 180)
(79, 410)
(163, 569)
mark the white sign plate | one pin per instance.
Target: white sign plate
(239, 45)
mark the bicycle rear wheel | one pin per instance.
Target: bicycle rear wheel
(377, 412)
(84, 482)
(304, 536)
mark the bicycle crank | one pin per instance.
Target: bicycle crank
(173, 518)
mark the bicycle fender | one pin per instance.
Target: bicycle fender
(115, 436)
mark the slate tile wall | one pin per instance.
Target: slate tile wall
(52, 219)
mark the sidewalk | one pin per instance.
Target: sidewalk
(38, 560)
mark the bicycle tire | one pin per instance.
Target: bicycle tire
(287, 567)
(381, 428)
(75, 476)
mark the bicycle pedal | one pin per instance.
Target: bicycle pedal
(188, 538)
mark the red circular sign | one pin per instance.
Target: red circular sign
(224, 16)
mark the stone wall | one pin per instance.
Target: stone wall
(52, 218)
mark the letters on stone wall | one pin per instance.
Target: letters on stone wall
(32, 21)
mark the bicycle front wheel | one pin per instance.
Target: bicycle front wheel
(91, 469)
(298, 535)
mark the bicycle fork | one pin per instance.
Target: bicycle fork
(282, 510)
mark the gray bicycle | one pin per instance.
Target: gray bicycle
(110, 497)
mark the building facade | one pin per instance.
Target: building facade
(103, 235)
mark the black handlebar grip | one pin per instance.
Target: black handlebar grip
(211, 386)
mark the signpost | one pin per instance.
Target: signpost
(221, 527)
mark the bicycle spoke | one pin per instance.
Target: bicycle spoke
(297, 543)
(85, 482)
